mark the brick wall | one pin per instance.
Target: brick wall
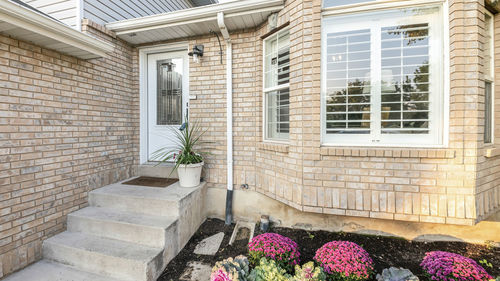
(488, 170)
(67, 126)
(425, 185)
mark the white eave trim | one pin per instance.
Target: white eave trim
(194, 15)
(28, 19)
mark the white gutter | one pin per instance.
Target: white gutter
(28, 19)
(194, 15)
(229, 98)
(229, 114)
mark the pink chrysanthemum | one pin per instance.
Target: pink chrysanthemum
(445, 266)
(283, 250)
(344, 260)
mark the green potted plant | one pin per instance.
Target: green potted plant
(188, 162)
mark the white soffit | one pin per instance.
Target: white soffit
(24, 23)
(196, 21)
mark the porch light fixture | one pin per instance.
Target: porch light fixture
(197, 53)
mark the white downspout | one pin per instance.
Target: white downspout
(229, 115)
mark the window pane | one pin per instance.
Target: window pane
(489, 75)
(277, 60)
(488, 113)
(277, 73)
(278, 114)
(488, 46)
(405, 79)
(334, 3)
(381, 76)
(348, 82)
(169, 92)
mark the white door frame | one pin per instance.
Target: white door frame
(143, 90)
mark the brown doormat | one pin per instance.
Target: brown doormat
(151, 181)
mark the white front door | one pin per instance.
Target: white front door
(168, 98)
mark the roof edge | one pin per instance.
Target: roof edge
(29, 19)
(198, 14)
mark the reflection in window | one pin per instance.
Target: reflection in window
(278, 113)
(276, 86)
(348, 83)
(489, 64)
(381, 77)
(405, 79)
(169, 94)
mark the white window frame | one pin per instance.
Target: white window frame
(490, 77)
(377, 5)
(439, 47)
(282, 137)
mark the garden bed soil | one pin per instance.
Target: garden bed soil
(385, 251)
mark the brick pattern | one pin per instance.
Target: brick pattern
(279, 171)
(67, 126)
(425, 185)
(273, 147)
(488, 170)
(411, 185)
(208, 84)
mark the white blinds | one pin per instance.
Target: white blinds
(348, 82)
(405, 79)
(383, 77)
(276, 86)
(277, 60)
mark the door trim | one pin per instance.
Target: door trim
(143, 90)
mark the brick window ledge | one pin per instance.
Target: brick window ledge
(389, 152)
(276, 147)
(492, 152)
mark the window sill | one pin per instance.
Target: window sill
(492, 152)
(389, 152)
(276, 147)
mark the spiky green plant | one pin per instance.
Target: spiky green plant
(183, 152)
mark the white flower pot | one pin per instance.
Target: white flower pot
(189, 175)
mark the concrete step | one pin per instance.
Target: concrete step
(49, 271)
(140, 199)
(153, 231)
(163, 170)
(104, 256)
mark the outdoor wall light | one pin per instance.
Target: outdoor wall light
(197, 53)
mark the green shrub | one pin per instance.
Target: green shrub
(268, 270)
(308, 272)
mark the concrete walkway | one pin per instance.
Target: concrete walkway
(128, 233)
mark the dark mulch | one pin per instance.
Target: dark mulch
(151, 181)
(385, 251)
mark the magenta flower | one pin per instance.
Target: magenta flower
(283, 250)
(445, 266)
(344, 260)
(220, 275)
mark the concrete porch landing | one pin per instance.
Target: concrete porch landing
(128, 233)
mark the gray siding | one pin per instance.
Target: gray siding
(65, 11)
(104, 11)
(203, 2)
